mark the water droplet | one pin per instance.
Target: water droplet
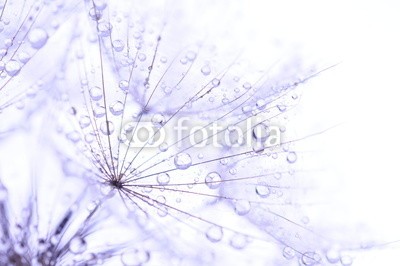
(260, 104)
(213, 180)
(142, 57)
(242, 207)
(74, 136)
(123, 85)
(163, 147)
(238, 241)
(261, 132)
(104, 29)
(288, 253)
(191, 55)
(281, 107)
(117, 108)
(118, 45)
(95, 14)
(163, 178)
(135, 257)
(182, 161)
(206, 70)
(247, 85)
(38, 38)
(158, 119)
(346, 260)
(215, 82)
(214, 233)
(84, 121)
(12, 68)
(333, 256)
(262, 190)
(291, 157)
(99, 111)
(310, 258)
(77, 245)
(107, 130)
(96, 93)
(163, 59)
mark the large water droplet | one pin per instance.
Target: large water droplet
(214, 233)
(213, 180)
(107, 130)
(163, 178)
(12, 68)
(242, 207)
(262, 190)
(96, 93)
(84, 121)
(118, 45)
(38, 38)
(182, 161)
(288, 253)
(117, 108)
(77, 245)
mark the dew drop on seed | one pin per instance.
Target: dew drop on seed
(261, 132)
(163, 147)
(99, 111)
(105, 130)
(12, 68)
(215, 82)
(118, 45)
(182, 161)
(288, 253)
(84, 121)
(213, 180)
(104, 29)
(123, 85)
(262, 190)
(332, 256)
(163, 59)
(242, 207)
(191, 55)
(281, 107)
(74, 136)
(238, 241)
(214, 233)
(142, 57)
(163, 178)
(291, 157)
(38, 38)
(117, 108)
(206, 70)
(77, 245)
(310, 258)
(247, 85)
(95, 14)
(346, 260)
(135, 257)
(158, 119)
(260, 104)
(96, 93)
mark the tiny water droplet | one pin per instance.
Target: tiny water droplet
(242, 207)
(117, 108)
(107, 130)
(206, 70)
